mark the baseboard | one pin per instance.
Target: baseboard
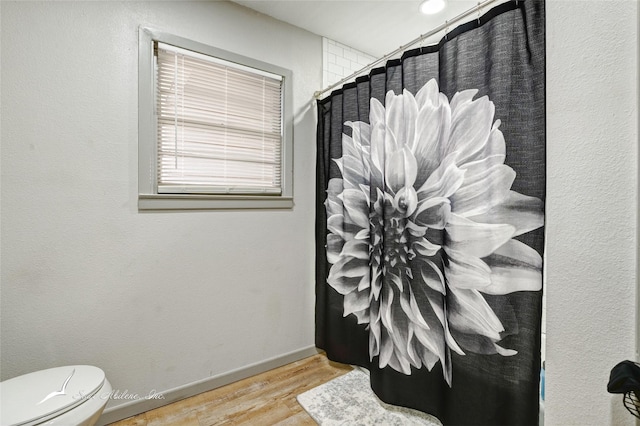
(133, 408)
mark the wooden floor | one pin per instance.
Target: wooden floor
(263, 400)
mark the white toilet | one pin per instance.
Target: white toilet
(69, 396)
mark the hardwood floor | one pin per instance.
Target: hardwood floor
(263, 400)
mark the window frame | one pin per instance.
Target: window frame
(148, 196)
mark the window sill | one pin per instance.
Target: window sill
(159, 202)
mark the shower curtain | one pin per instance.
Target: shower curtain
(429, 222)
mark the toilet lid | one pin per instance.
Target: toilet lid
(39, 396)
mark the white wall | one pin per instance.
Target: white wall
(592, 206)
(157, 300)
(340, 61)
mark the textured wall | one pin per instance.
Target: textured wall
(592, 115)
(157, 300)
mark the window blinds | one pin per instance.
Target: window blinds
(219, 125)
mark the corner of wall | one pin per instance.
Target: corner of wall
(340, 61)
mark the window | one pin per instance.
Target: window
(214, 128)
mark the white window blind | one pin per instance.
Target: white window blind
(219, 125)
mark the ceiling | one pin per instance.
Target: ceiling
(376, 27)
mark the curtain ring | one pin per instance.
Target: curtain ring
(446, 30)
(479, 11)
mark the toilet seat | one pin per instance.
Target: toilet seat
(40, 396)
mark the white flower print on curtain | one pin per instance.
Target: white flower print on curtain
(422, 224)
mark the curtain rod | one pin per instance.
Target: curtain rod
(401, 49)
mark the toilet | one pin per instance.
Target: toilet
(71, 396)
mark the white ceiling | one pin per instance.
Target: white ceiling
(376, 27)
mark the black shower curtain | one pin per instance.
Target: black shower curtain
(429, 222)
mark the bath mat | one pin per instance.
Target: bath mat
(349, 400)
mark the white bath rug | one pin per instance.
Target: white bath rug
(349, 400)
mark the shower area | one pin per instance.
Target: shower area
(430, 218)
